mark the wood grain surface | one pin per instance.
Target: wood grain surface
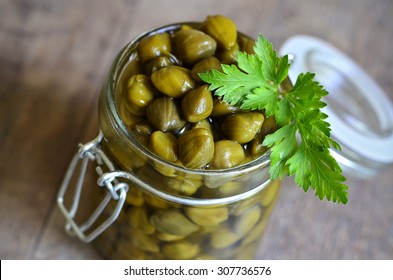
(54, 55)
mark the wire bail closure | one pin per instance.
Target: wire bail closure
(115, 190)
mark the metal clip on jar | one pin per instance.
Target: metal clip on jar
(151, 209)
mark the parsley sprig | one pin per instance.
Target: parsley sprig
(300, 147)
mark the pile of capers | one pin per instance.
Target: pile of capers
(171, 112)
(181, 119)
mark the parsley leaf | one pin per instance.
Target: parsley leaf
(300, 147)
(235, 83)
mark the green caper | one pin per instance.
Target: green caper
(243, 126)
(156, 63)
(185, 27)
(205, 123)
(246, 45)
(204, 65)
(270, 193)
(197, 104)
(141, 131)
(255, 147)
(138, 218)
(222, 109)
(153, 46)
(247, 220)
(143, 241)
(183, 185)
(173, 81)
(172, 222)
(207, 216)
(165, 170)
(140, 92)
(196, 148)
(160, 176)
(164, 144)
(131, 158)
(223, 237)
(167, 237)
(156, 202)
(222, 29)
(163, 114)
(256, 232)
(128, 117)
(192, 45)
(180, 250)
(231, 188)
(269, 126)
(227, 154)
(244, 205)
(228, 56)
(134, 197)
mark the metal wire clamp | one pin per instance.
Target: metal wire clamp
(115, 190)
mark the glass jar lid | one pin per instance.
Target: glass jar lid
(360, 113)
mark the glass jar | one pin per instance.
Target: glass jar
(154, 209)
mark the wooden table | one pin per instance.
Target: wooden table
(53, 58)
